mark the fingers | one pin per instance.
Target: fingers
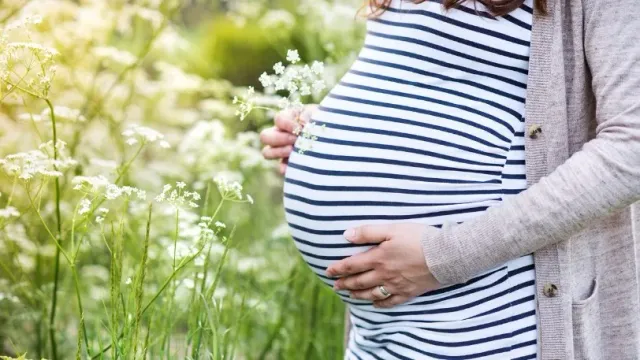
(369, 234)
(372, 294)
(277, 152)
(285, 121)
(390, 302)
(354, 264)
(366, 280)
(275, 137)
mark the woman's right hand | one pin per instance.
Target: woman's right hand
(279, 139)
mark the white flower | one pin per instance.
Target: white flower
(128, 281)
(136, 133)
(318, 86)
(305, 90)
(85, 206)
(265, 80)
(62, 113)
(27, 165)
(292, 87)
(101, 186)
(317, 67)
(8, 212)
(279, 68)
(220, 225)
(293, 56)
(177, 197)
(231, 190)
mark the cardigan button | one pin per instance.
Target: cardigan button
(550, 290)
(535, 130)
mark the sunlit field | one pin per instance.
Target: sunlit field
(138, 219)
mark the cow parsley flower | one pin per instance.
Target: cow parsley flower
(135, 134)
(85, 206)
(178, 197)
(293, 56)
(9, 212)
(27, 165)
(231, 190)
(100, 186)
(278, 68)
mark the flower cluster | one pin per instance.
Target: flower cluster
(231, 190)
(141, 134)
(297, 80)
(100, 186)
(178, 197)
(9, 212)
(25, 65)
(61, 113)
(27, 165)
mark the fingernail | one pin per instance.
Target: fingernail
(350, 234)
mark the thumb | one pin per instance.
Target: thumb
(368, 234)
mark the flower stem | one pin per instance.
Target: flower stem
(56, 276)
(74, 271)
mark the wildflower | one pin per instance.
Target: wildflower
(85, 206)
(206, 234)
(128, 281)
(293, 56)
(144, 135)
(265, 80)
(231, 190)
(220, 225)
(62, 113)
(177, 196)
(101, 186)
(9, 212)
(27, 165)
(279, 68)
(317, 67)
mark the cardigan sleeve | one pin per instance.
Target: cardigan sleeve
(601, 178)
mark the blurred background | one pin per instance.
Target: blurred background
(102, 101)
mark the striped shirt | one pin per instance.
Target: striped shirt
(427, 126)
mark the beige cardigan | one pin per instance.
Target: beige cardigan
(583, 169)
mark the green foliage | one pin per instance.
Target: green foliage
(95, 262)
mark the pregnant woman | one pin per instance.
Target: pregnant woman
(471, 195)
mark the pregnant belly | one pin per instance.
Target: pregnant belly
(350, 178)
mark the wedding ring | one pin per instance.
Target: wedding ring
(384, 291)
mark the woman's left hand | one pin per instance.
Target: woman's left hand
(397, 263)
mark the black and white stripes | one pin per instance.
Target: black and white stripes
(427, 126)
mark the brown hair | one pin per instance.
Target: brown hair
(495, 7)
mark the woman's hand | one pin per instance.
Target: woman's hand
(397, 263)
(280, 138)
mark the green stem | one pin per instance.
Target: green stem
(139, 285)
(74, 271)
(157, 294)
(56, 276)
(175, 240)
